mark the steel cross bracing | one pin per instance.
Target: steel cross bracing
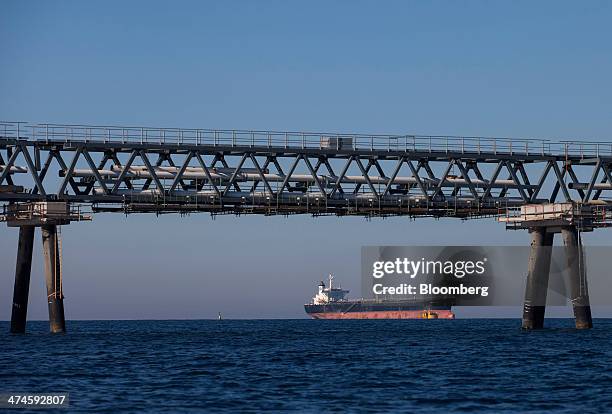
(266, 172)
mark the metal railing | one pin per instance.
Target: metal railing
(302, 140)
(46, 211)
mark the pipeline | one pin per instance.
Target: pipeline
(224, 175)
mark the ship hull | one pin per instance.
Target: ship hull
(378, 310)
(386, 315)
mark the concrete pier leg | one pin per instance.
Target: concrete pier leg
(538, 272)
(53, 276)
(578, 279)
(22, 279)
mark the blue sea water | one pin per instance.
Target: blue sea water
(412, 366)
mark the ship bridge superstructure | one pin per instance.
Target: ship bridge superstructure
(329, 293)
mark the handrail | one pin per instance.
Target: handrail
(314, 140)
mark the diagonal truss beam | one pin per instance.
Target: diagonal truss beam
(43, 171)
(438, 189)
(607, 178)
(160, 160)
(234, 174)
(117, 163)
(366, 176)
(207, 173)
(221, 158)
(560, 183)
(606, 169)
(95, 170)
(518, 183)
(106, 157)
(541, 181)
(64, 167)
(367, 169)
(396, 171)
(594, 176)
(70, 171)
(525, 178)
(123, 173)
(9, 164)
(415, 174)
(337, 186)
(9, 180)
(574, 179)
(32, 168)
(261, 175)
(151, 170)
(172, 164)
(179, 174)
(315, 177)
(263, 167)
(496, 172)
(466, 177)
(289, 173)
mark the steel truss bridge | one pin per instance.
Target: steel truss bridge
(53, 174)
(163, 170)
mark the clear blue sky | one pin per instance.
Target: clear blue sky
(522, 68)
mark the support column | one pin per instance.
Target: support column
(579, 290)
(53, 276)
(22, 279)
(538, 272)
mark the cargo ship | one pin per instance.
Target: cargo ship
(330, 303)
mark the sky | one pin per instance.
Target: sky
(525, 69)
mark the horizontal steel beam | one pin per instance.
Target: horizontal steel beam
(388, 153)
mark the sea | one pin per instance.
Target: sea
(313, 366)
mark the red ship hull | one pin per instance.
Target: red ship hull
(395, 314)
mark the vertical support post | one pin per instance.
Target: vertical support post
(53, 276)
(579, 290)
(22, 279)
(538, 273)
